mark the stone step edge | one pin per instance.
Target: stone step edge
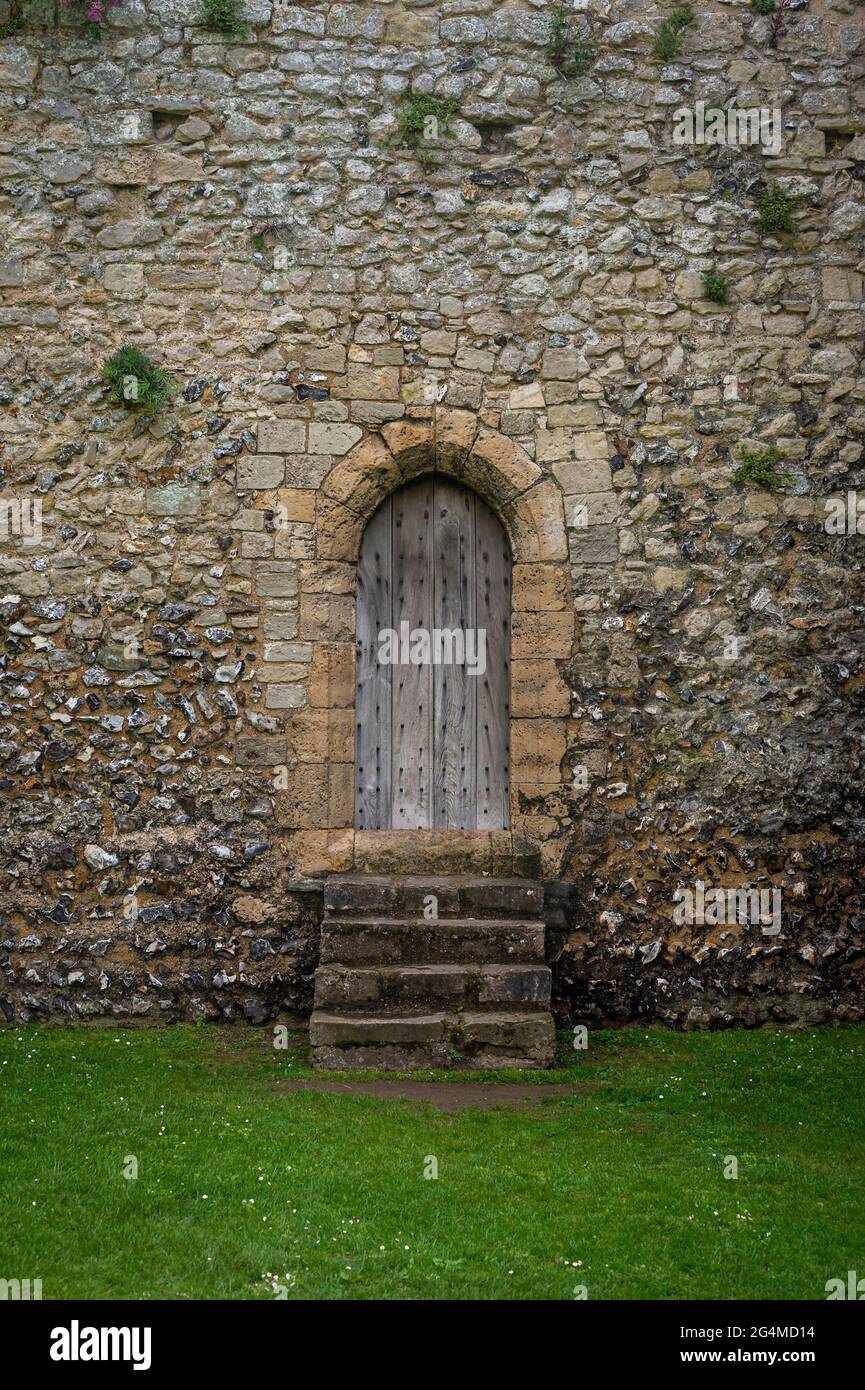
(394, 968)
(355, 894)
(350, 880)
(358, 949)
(426, 1026)
(407, 924)
(452, 1019)
(423, 1056)
(450, 1015)
(445, 967)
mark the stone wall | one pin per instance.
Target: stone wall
(518, 301)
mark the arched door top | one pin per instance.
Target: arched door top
(497, 468)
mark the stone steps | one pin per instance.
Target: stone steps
(348, 987)
(466, 941)
(383, 896)
(398, 990)
(406, 1042)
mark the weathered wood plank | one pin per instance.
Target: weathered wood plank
(412, 752)
(493, 579)
(454, 690)
(373, 710)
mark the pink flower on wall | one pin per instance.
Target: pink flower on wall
(96, 9)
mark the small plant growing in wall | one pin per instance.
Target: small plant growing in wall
(715, 286)
(778, 26)
(15, 21)
(133, 380)
(570, 54)
(94, 13)
(225, 16)
(763, 6)
(669, 40)
(775, 210)
(759, 468)
(424, 117)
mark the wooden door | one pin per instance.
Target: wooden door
(432, 715)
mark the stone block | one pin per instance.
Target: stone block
(583, 475)
(282, 672)
(475, 360)
(542, 634)
(327, 617)
(317, 852)
(599, 545)
(295, 504)
(500, 465)
(538, 689)
(12, 273)
(259, 471)
(329, 359)
(282, 437)
(332, 679)
(368, 383)
(364, 476)
(129, 233)
(412, 443)
(263, 750)
(537, 524)
(842, 285)
(560, 364)
(285, 697)
(537, 748)
(539, 587)
(584, 509)
(287, 651)
(328, 577)
(322, 736)
(281, 626)
(318, 796)
(307, 471)
(338, 531)
(454, 436)
(174, 499)
(333, 439)
(416, 30)
(276, 579)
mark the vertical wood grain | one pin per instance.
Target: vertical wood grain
(373, 708)
(454, 690)
(412, 752)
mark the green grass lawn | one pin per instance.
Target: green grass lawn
(617, 1186)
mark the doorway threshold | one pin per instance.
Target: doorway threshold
(496, 852)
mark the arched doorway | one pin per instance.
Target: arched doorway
(433, 663)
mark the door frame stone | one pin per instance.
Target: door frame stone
(317, 806)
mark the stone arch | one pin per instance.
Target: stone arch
(529, 505)
(497, 468)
